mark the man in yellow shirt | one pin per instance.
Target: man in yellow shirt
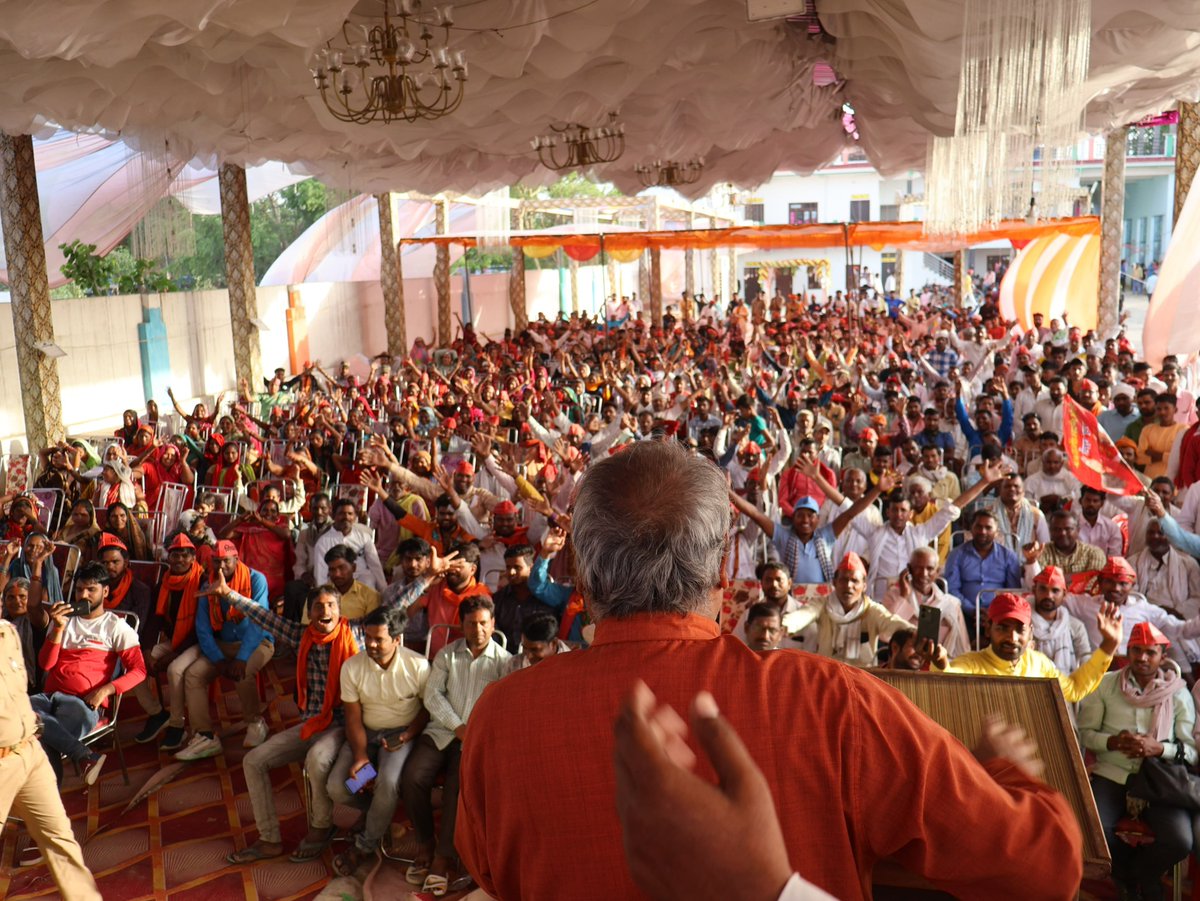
(1157, 438)
(1008, 654)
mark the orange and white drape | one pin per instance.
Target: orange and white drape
(1053, 275)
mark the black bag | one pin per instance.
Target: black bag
(1166, 783)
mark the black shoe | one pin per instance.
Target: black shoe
(154, 725)
(173, 740)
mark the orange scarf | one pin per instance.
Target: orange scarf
(575, 606)
(117, 593)
(449, 601)
(344, 647)
(185, 616)
(222, 610)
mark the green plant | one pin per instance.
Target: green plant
(92, 273)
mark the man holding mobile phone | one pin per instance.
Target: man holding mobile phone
(381, 689)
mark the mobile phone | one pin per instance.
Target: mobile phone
(929, 624)
(359, 780)
(80, 607)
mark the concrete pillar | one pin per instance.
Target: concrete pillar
(239, 273)
(21, 218)
(656, 300)
(1112, 226)
(441, 274)
(574, 268)
(516, 283)
(1187, 152)
(391, 279)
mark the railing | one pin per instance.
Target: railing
(939, 267)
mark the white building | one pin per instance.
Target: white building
(850, 190)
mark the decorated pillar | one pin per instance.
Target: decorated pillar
(21, 218)
(516, 282)
(900, 292)
(441, 274)
(1187, 152)
(960, 277)
(733, 274)
(391, 279)
(614, 286)
(689, 262)
(714, 266)
(656, 301)
(644, 282)
(1112, 222)
(574, 267)
(239, 272)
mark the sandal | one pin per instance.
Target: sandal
(306, 850)
(416, 872)
(436, 885)
(251, 854)
(348, 862)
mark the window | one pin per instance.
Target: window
(754, 212)
(1156, 240)
(889, 212)
(860, 210)
(802, 213)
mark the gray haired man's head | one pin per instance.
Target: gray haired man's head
(649, 529)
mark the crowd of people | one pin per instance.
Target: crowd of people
(404, 529)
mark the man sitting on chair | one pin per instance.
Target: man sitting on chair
(80, 657)
(231, 645)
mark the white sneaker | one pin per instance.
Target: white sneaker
(199, 747)
(256, 733)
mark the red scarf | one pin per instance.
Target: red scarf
(185, 616)
(344, 647)
(217, 612)
(519, 536)
(574, 607)
(117, 593)
(1189, 457)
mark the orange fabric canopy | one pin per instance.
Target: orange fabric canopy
(901, 235)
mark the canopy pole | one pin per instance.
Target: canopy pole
(516, 281)
(239, 272)
(441, 273)
(1112, 224)
(391, 280)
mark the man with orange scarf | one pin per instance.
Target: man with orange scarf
(442, 600)
(322, 647)
(173, 627)
(230, 646)
(124, 591)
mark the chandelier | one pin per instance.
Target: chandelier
(393, 69)
(670, 174)
(581, 146)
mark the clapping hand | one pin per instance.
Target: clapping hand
(1010, 742)
(1032, 552)
(1108, 621)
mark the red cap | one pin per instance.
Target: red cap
(1119, 570)
(504, 508)
(108, 540)
(465, 467)
(1146, 635)
(851, 562)
(751, 447)
(868, 435)
(1010, 606)
(1088, 384)
(182, 542)
(450, 423)
(1052, 576)
(226, 548)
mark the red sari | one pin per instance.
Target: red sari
(261, 549)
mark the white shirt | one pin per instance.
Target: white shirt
(1105, 534)
(889, 552)
(1050, 415)
(367, 568)
(1063, 484)
(1136, 609)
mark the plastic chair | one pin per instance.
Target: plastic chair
(49, 501)
(66, 561)
(990, 593)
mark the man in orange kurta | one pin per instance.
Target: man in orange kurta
(858, 773)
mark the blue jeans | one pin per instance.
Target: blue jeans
(65, 720)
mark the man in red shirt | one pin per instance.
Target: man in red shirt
(81, 658)
(857, 772)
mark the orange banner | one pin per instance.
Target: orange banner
(1091, 455)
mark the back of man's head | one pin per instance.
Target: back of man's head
(649, 528)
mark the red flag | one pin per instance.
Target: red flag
(1091, 455)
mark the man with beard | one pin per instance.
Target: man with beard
(945, 483)
(348, 531)
(1094, 526)
(1053, 483)
(903, 653)
(1008, 653)
(1018, 520)
(1141, 711)
(849, 624)
(442, 600)
(776, 587)
(1056, 633)
(917, 587)
(494, 543)
(514, 602)
(1169, 578)
(1115, 586)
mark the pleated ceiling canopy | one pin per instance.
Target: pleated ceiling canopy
(228, 79)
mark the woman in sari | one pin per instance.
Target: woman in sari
(35, 562)
(129, 426)
(121, 523)
(264, 540)
(81, 530)
(20, 520)
(227, 471)
(166, 464)
(115, 485)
